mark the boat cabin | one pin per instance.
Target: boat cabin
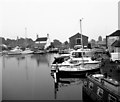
(102, 88)
(79, 53)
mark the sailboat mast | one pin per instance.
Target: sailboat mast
(81, 32)
(81, 40)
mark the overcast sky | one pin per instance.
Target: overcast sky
(59, 18)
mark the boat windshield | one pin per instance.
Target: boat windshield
(77, 54)
(82, 54)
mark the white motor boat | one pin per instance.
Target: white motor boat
(15, 51)
(27, 51)
(78, 57)
(79, 63)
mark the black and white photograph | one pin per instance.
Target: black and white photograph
(60, 50)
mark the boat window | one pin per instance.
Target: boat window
(85, 83)
(100, 92)
(111, 98)
(90, 85)
(74, 61)
(83, 53)
(77, 54)
(89, 54)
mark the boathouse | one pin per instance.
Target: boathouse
(112, 38)
(75, 40)
(42, 42)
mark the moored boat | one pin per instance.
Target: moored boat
(27, 51)
(39, 52)
(79, 63)
(102, 88)
(15, 51)
(80, 70)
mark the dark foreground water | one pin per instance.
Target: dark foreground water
(28, 77)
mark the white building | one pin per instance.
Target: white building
(42, 42)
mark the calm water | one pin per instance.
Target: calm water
(28, 77)
(0, 78)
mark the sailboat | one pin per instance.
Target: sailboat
(77, 65)
(27, 50)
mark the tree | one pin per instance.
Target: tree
(57, 43)
(66, 43)
(92, 41)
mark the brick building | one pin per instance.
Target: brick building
(76, 40)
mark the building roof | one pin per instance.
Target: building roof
(77, 34)
(41, 39)
(116, 43)
(116, 33)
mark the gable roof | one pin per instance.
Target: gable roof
(116, 33)
(116, 43)
(77, 34)
(42, 39)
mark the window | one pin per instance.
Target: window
(85, 83)
(100, 92)
(78, 41)
(90, 85)
(76, 54)
(111, 98)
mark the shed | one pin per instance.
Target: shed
(76, 40)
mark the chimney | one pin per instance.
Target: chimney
(47, 35)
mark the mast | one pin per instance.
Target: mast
(81, 40)
(81, 32)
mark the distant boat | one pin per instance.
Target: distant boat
(15, 51)
(27, 51)
(39, 52)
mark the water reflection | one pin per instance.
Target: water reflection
(67, 82)
(17, 58)
(27, 77)
(40, 58)
(1, 60)
(26, 80)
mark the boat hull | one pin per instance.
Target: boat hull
(27, 52)
(14, 53)
(39, 52)
(77, 73)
